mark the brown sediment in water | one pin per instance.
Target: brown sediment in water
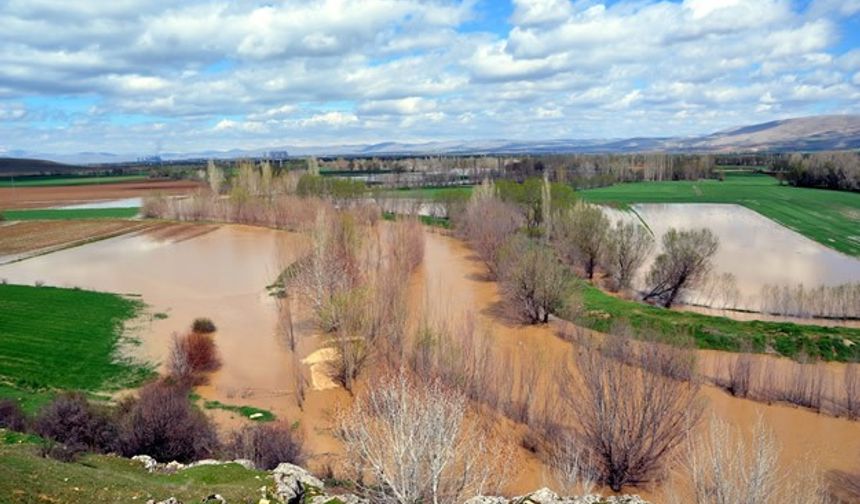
(222, 274)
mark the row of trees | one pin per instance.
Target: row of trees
(831, 170)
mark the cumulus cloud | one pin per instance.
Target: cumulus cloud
(201, 73)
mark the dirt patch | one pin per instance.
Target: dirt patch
(40, 197)
(23, 239)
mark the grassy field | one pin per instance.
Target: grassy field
(602, 311)
(831, 218)
(250, 412)
(430, 192)
(62, 339)
(66, 180)
(26, 477)
(71, 214)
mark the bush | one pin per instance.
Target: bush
(61, 452)
(11, 416)
(163, 424)
(267, 445)
(191, 354)
(71, 420)
(203, 326)
(533, 280)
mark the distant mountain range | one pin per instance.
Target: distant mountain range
(826, 132)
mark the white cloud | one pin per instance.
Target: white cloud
(209, 72)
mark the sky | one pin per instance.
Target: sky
(152, 76)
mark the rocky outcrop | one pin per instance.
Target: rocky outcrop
(152, 465)
(547, 496)
(295, 485)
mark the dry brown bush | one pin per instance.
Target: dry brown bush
(725, 468)
(844, 487)
(163, 424)
(203, 325)
(851, 390)
(267, 445)
(630, 420)
(71, 420)
(411, 441)
(487, 224)
(192, 354)
(11, 415)
(533, 280)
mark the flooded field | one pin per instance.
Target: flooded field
(754, 250)
(187, 271)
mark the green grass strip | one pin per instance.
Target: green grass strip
(67, 180)
(603, 311)
(250, 412)
(71, 213)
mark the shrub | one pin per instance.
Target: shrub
(191, 354)
(11, 416)
(71, 420)
(61, 452)
(267, 445)
(683, 263)
(533, 280)
(203, 326)
(163, 424)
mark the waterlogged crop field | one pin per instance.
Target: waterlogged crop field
(63, 339)
(30, 236)
(831, 218)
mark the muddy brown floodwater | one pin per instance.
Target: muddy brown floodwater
(455, 274)
(221, 273)
(755, 250)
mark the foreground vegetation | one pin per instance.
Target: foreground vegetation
(831, 218)
(25, 476)
(70, 213)
(55, 339)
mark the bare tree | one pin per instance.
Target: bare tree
(851, 386)
(631, 420)
(726, 469)
(582, 233)
(488, 223)
(533, 279)
(684, 261)
(741, 373)
(627, 247)
(416, 443)
(215, 176)
(571, 466)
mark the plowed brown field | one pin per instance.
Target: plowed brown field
(40, 197)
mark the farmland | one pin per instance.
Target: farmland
(55, 339)
(31, 236)
(66, 180)
(831, 218)
(70, 213)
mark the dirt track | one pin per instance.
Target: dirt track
(40, 197)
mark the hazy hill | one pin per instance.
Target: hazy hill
(815, 133)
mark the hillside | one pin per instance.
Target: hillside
(20, 166)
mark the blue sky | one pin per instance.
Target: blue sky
(144, 76)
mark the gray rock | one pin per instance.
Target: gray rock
(149, 463)
(174, 466)
(345, 498)
(484, 499)
(291, 482)
(215, 499)
(171, 500)
(542, 496)
(204, 462)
